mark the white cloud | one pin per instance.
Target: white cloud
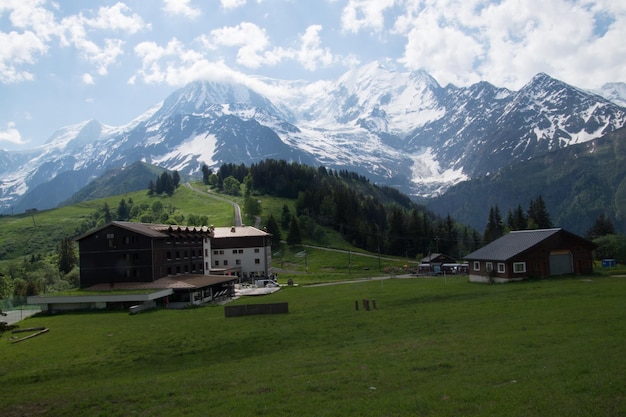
(116, 18)
(232, 4)
(88, 79)
(507, 42)
(364, 14)
(11, 134)
(35, 28)
(310, 54)
(17, 49)
(251, 39)
(181, 7)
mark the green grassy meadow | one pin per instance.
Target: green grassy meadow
(433, 347)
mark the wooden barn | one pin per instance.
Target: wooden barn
(531, 254)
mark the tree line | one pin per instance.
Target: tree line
(371, 217)
(535, 217)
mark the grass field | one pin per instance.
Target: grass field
(433, 347)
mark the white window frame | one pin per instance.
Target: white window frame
(476, 266)
(488, 266)
(501, 268)
(519, 267)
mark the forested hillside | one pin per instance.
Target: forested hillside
(368, 216)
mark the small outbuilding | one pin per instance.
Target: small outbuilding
(433, 264)
(531, 254)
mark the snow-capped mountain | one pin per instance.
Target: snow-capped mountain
(615, 92)
(397, 128)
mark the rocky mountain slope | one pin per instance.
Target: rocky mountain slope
(577, 183)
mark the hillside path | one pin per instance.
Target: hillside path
(236, 208)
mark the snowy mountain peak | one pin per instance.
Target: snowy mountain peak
(199, 96)
(615, 92)
(396, 127)
(77, 135)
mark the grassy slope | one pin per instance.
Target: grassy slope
(23, 235)
(40, 233)
(433, 347)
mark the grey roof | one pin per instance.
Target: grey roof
(511, 244)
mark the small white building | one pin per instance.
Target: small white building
(244, 251)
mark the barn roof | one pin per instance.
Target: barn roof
(513, 244)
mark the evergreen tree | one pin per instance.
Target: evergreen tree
(538, 215)
(107, 217)
(123, 211)
(516, 219)
(603, 226)
(395, 240)
(294, 237)
(274, 230)
(494, 228)
(151, 188)
(450, 237)
(66, 255)
(206, 173)
(285, 218)
(167, 184)
(175, 179)
(158, 186)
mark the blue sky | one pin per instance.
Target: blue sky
(65, 61)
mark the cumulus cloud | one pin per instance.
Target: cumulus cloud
(250, 38)
(180, 7)
(11, 134)
(35, 28)
(232, 4)
(507, 42)
(311, 54)
(88, 79)
(365, 14)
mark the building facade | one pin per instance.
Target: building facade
(531, 254)
(140, 252)
(244, 251)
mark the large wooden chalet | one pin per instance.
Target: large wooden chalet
(168, 265)
(531, 254)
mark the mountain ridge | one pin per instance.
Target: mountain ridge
(397, 128)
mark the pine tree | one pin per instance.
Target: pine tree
(274, 230)
(285, 218)
(294, 237)
(516, 220)
(175, 179)
(123, 211)
(107, 217)
(66, 255)
(206, 173)
(602, 227)
(494, 228)
(538, 215)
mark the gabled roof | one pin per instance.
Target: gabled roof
(514, 243)
(434, 257)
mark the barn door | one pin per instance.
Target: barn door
(561, 262)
